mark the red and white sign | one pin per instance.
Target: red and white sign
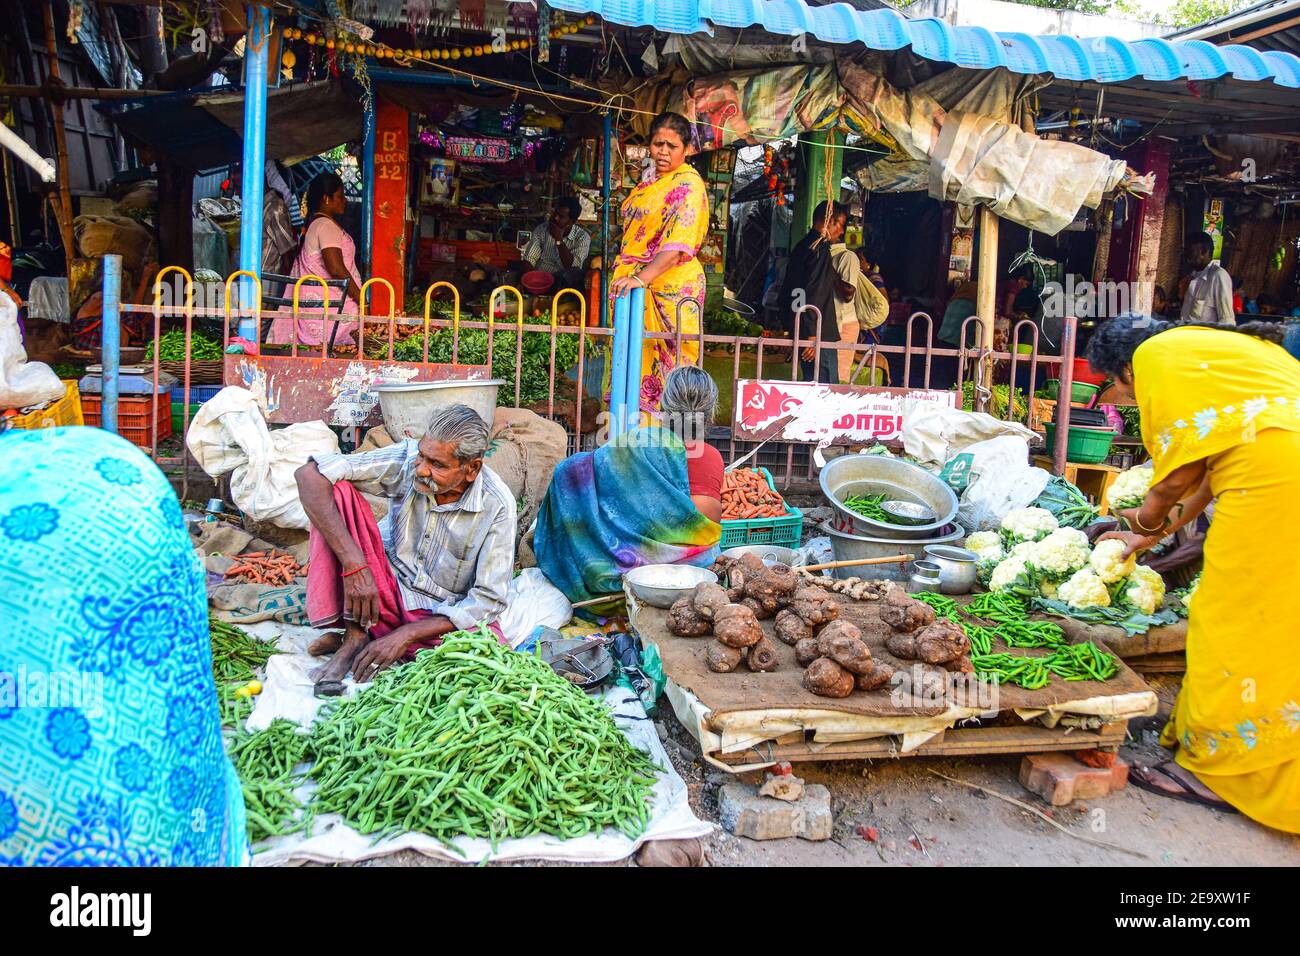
(826, 414)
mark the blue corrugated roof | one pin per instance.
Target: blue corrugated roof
(1102, 59)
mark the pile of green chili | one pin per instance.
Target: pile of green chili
(473, 739)
(236, 656)
(944, 607)
(265, 761)
(869, 507)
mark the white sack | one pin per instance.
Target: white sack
(1001, 481)
(229, 434)
(533, 602)
(22, 383)
(933, 433)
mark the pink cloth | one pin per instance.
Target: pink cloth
(325, 574)
(323, 233)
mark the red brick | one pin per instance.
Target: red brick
(1058, 778)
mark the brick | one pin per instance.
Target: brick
(1059, 779)
(744, 812)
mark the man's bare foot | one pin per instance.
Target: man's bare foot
(337, 667)
(1172, 780)
(326, 644)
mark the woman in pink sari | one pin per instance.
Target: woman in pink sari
(326, 250)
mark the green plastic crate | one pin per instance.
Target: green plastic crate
(1084, 446)
(785, 531)
(178, 415)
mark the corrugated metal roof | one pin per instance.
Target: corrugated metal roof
(1102, 59)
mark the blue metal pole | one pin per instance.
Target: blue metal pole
(368, 186)
(618, 370)
(606, 190)
(257, 47)
(635, 336)
(111, 329)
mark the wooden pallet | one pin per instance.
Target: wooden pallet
(954, 742)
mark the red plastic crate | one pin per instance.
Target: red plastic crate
(134, 422)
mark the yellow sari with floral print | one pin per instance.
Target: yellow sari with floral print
(669, 213)
(1234, 401)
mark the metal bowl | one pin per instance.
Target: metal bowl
(659, 585)
(899, 480)
(769, 553)
(852, 547)
(407, 407)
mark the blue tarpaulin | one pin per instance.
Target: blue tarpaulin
(1100, 59)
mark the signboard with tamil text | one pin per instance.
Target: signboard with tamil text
(825, 414)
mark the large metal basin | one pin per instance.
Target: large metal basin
(852, 547)
(851, 475)
(408, 406)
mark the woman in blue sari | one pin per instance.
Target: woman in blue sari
(110, 739)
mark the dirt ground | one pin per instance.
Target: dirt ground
(923, 820)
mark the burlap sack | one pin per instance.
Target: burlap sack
(99, 235)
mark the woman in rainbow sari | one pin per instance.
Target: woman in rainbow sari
(1221, 419)
(665, 220)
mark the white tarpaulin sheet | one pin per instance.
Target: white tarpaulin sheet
(287, 693)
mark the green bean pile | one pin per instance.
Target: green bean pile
(869, 507)
(944, 607)
(236, 655)
(1029, 672)
(473, 739)
(265, 761)
(1072, 662)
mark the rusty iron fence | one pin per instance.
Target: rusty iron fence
(316, 364)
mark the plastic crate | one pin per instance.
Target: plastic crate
(134, 416)
(785, 531)
(178, 416)
(1084, 446)
(198, 393)
(60, 413)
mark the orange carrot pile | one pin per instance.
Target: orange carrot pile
(266, 567)
(745, 494)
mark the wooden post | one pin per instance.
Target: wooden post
(986, 287)
(63, 207)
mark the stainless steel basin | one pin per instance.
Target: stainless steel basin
(851, 475)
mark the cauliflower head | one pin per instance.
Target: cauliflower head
(1029, 524)
(1070, 536)
(1108, 563)
(1129, 488)
(1049, 590)
(1084, 589)
(986, 544)
(1007, 573)
(1146, 589)
(1057, 558)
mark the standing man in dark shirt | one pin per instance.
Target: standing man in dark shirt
(810, 280)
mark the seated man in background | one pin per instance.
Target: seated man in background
(560, 246)
(441, 560)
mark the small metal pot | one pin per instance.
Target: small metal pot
(957, 567)
(925, 577)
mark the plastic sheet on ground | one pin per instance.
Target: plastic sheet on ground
(287, 693)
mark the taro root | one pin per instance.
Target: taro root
(738, 627)
(902, 646)
(685, 621)
(815, 606)
(849, 652)
(791, 628)
(807, 651)
(904, 613)
(836, 629)
(760, 612)
(708, 598)
(825, 678)
(762, 656)
(773, 587)
(961, 665)
(941, 642)
(877, 675)
(740, 572)
(723, 659)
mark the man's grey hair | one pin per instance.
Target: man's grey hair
(461, 426)
(689, 401)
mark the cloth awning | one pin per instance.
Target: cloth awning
(1095, 59)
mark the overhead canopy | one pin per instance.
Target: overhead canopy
(1097, 59)
(205, 131)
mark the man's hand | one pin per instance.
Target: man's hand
(380, 654)
(361, 599)
(1133, 542)
(806, 355)
(556, 232)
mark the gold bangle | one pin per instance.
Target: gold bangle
(1150, 532)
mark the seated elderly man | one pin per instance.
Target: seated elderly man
(441, 559)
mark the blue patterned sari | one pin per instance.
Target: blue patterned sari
(110, 740)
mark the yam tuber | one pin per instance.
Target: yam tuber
(815, 606)
(825, 678)
(773, 587)
(685, 621)
(847, 651)
(760, 611)
(877, 675)
(762, 656)
(791, 628)
(836, 629)
(807, 651)
(723, 659)
(904, 613)
(708, 598)
(738, 628)
(937, 643)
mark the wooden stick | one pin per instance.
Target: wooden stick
(63, 208)
(893, 559)
(603, 599)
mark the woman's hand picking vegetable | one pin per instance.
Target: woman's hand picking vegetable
(361, 598)
(1133, 542)
(380, 654)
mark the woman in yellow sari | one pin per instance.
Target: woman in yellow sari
(1221, 419)
(665, 219)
